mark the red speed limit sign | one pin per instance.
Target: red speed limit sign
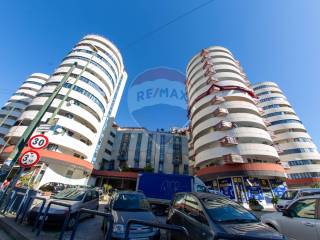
(29, 159)
(38, 141)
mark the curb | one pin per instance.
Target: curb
(11, 230)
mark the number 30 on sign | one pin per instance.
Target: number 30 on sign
(29, 159)
(38, 141)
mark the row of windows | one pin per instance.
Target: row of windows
(98, 56)
(33, 82)
(102, 50)
(270, 99)
(303, 162)
(277, 114)
(304, 175)
(262, 86)
(161, 154)
(285, 121)
(267, 92)
(87, 94)
(137, 151)
(300, 139)
(22, 94)
(86, 80)
(149, 149)
(297, 150)
(94, 63)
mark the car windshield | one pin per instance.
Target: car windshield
(70, 194)
(225, 211)
(131, 202)
(310, 193)
(289, 195)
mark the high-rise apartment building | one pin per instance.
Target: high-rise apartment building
(14, 107)
(297, 151)
(129, 150)
(78, 131)
(230, 147)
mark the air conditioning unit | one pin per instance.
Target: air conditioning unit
(228, 141)
(204, 52)
(217, 100)
(232, 158)
(219, 112)
(223, 126)
(211, 79)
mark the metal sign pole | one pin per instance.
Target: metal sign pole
(7, 167)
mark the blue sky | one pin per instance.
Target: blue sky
(274, 41)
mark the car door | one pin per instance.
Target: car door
(87, 201)
(94, 203)
(303, 220)
(192, 219)
(175, 215)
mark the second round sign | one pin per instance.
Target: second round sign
(29, 158)
(38, 141)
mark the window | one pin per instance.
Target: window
(69, 174)
(52, 147)
(149, 149)
(112, 134)
(304, 209)
(304, 175)
(69, 115)
(297, 150)
(194, 210)
(285, 121)
(110, 143)
(179, 202)
(303, 162)
(107, 151)
(137, 151)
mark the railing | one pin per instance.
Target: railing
(24, 209)
(107, 216)
(157, 225)
(66, 221)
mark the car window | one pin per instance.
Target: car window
(289, 195)
(95, 194)
(179, 202)
(194, 210)
(304, 209)
(88, 196)
(309, 193)
(221, 209)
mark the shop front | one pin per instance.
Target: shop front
(242, 182)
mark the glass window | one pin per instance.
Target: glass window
(131, 202)
(304, 209)
(289, 195)
(179, 202)
(225, 210)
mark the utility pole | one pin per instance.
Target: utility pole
(8, 165)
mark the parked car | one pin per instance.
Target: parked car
(300, 220)
(53, 187)
(211, 216)
(77, 198)
(293, 194)
(125, 205)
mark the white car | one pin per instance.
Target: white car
(300, 220)
(293, 194)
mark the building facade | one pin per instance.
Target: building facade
(130, 150)
(93, 91)
(17, 103)
(230, 147)
(297, 151)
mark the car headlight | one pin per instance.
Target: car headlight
(118, 228)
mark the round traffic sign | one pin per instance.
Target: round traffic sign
(38, 141)
(29, 159)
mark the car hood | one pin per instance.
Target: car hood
(122, 217)
(258, 230)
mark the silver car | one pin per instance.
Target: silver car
(300, 220)
(292, 194)
(77, 198)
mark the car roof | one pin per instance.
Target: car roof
(202, 195)
(317, 196)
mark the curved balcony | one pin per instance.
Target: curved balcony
(245, 169)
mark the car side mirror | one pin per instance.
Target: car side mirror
(286, 213)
